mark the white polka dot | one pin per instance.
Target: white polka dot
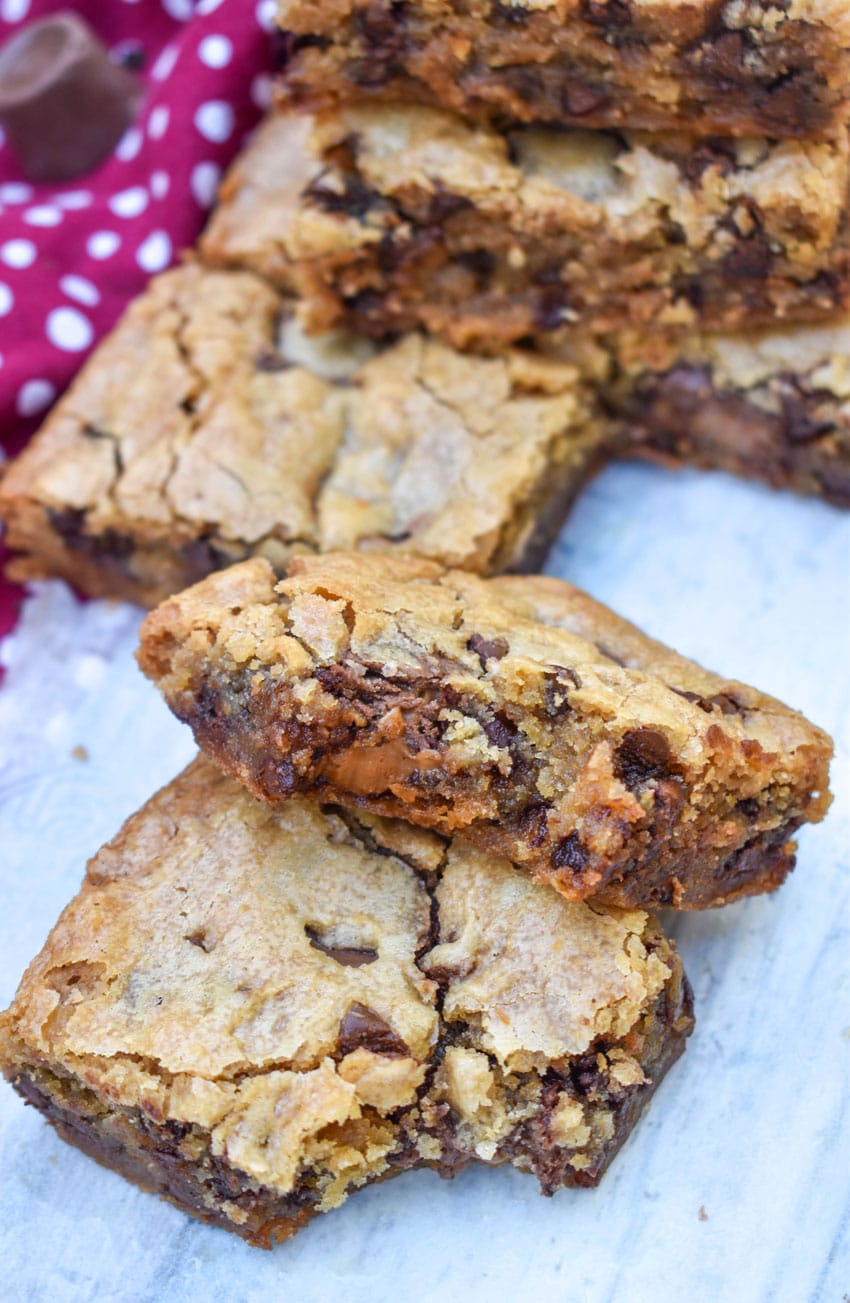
(102, 244)
(215, 51)
(69, 330)
(155, 252)
(160, 184)
(12, 11)
(73, 200)
(7, 299)
(129, 203)
(34, 396)
(77, 287)
(15, 192)
(204, 182)
(261, 90)
(265, 12)
(18, 253)
(179, 9)
(43, 215)
(165, 63)
(129, 144)
(158, 122)
(207, 6)
(214, 120)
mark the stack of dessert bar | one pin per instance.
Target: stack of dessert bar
(397, 913)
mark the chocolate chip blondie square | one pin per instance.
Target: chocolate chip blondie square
(732, 68)
(255, 1010)
(519, 712)
(207, 428)
(390, 217)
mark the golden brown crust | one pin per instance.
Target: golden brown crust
(207, 428)
(519, 711)
(240, 1010)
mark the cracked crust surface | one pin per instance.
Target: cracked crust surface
(397, 216)
(518, 711)
(208, 428)
(735, 68)
(242, 1010)
(774, 404)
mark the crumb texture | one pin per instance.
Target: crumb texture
(413, 217)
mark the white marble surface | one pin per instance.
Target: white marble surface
(752, 1126)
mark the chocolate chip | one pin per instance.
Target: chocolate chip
(377, 24)
(363, 1028)
(750, 258)
(513, 15)
(525, 83)
(551, 309)
(580, 99)
(724, 58)
(370, 73)
(348, 956)
(570, 853)
(713, 152)
(722, 701)
(353, 200)
(615, 13)
(443, 204)
(800, 423)
(642, 754)
(479, 261)
(500, 731)
(199, 938)
(487, 648)
(558, 684)
(533, 823)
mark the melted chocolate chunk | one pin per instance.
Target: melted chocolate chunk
(363, 1028)
(722, 701)
(488, 648)
(642, 754)
(533, 823)
(348, 956)
(750, 258)
(500, 731)
(200, 939)
(570, 853)
(614, 13)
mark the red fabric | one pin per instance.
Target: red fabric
(73, 255)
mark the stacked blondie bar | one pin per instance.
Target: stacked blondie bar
(398, 913)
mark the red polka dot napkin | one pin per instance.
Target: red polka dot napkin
(73, 255)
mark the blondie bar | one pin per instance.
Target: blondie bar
(773, 404)
(733, 68)
(254, 1010)
(390, 217)
(519, 712)
(207, 428)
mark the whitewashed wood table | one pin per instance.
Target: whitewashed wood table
(736, 1186)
